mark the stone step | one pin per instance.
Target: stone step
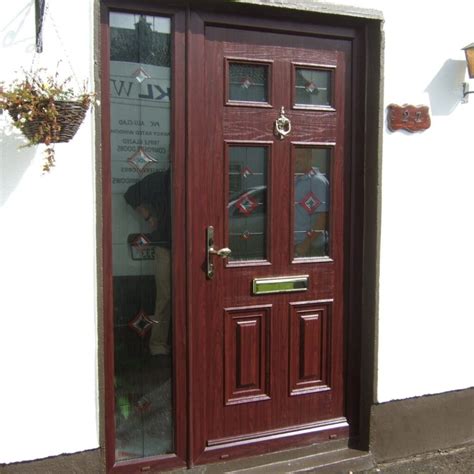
(341, 461)
(332, 457)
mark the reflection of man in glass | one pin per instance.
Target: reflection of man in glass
(150, 197)
(311, 209)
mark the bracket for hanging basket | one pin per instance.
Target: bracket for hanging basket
(39, 15)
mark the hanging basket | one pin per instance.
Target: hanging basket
(41, 129)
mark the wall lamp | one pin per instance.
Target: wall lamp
(469, 51)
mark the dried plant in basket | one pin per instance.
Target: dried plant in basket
(46, 110)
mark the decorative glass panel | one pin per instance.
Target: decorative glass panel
(311, 203)
(313, 87)
(140, 79)
(247, 202)
(248, 82)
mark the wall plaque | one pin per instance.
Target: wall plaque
(412, 118)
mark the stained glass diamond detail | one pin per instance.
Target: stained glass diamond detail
(141, 159)
(246, 204)
(246, 172)
(245, 82)
(140, 323)
(140, 75)
(311, 87)
(141, 242)
(310, 203)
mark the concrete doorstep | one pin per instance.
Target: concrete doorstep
(459, 460)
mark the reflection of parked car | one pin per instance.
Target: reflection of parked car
(247, 214)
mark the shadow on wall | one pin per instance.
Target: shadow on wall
(445, 90)
(15, 158)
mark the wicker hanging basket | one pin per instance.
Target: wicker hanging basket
(40, 129)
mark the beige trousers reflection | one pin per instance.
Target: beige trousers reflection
(159, 338)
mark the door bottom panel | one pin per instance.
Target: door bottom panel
(267, 441)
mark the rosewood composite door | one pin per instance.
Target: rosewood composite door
(266, 324)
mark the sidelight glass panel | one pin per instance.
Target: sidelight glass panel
(311, 201)
(247, 207)
(248, 82)
(140, 84)
(313, 87)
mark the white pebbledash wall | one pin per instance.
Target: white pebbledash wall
(48, 302)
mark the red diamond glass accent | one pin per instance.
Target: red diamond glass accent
(140, 160)
(140, 324)
(246, 172)
(310, 203)
(141, 243)
(311, 87)
(245, 82)
(246, 204)
(140, 75)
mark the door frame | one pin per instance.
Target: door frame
(362, 239)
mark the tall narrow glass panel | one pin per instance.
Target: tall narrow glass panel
(247, 202)
(311, 201)
(140, 81)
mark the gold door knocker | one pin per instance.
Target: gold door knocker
(282, 125)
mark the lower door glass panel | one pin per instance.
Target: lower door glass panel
(140, 77)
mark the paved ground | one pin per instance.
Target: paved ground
(453, 461)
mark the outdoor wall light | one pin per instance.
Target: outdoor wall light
(469, 51)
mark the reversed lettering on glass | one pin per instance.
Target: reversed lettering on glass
(311, 202)
(247, 206)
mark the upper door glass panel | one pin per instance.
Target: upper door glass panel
(313, 87)
(248, 82)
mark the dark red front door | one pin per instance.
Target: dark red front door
(268, 156)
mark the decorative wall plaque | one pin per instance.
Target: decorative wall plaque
(411, 118)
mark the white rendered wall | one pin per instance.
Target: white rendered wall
(426, 309)
(48, 320)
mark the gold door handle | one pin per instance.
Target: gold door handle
(210, 250)
(223, 252)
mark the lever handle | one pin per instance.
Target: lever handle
(223, 252)
(210, 250)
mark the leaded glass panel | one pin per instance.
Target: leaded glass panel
(312, 201)
(140, 98)
(313, 87)
(248, 82)
(247, 207)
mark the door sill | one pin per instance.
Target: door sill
(227, 449)
(327, 457)
(277, 434)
